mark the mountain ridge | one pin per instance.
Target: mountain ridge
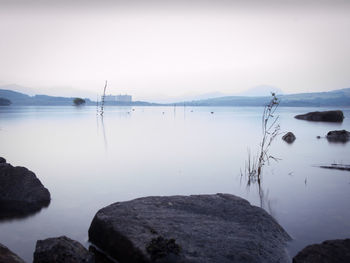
(340, 97)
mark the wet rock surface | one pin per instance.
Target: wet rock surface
(326, 116)
(338, 136)
(289, 137)
(21, 192)
(199, 228)
(330, 251)
(61, 250)
(7, 256)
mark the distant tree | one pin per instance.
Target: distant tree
(78, 101)
(5, 102)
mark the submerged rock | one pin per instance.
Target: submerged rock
(344, 167)
(330, 251)
(21, 192)
(327, 116)
(338, 136)
(61, 250)
(289, 137)
(200, 228)
(7, 256)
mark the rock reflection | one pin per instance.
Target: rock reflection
(9, 213)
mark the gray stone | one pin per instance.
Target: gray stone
(7, 256)
(338, 136)
(330, 251)
(289, 137)
(327, 116)
(61, 250)
(21, 192)
(199, 228)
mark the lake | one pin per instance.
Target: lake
(88, 162)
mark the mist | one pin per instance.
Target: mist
(158, 49)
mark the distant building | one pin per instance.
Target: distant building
(118, 98)
(124, 98)
(109, 98)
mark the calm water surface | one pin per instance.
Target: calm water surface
(87, 163)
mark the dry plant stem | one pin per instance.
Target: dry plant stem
(103, 99)
(270, 130)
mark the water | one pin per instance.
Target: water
(87, 163)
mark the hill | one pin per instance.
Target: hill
(18, 98)
(21, 99)
(317, 99)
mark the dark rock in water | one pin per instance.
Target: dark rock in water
(338, 136)
(289, 137)
(2, 160)
(7, 256)
(200, 228)
(318, 137)
(330, 251)
(344, 167)
(61, 250)
(327, 116)
(21, 192)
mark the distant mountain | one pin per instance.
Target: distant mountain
(20, 99)
(332, 98)
(260, 91)
(317, 99)
(51, 91)
(188, 97)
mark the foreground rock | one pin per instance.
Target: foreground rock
(61, 250)
(7, 256)
(330, 251)
(327, 116)
(289, 137)
(21, 192)
(199, 228)
(338, 136)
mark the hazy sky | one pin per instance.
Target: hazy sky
(149, 48)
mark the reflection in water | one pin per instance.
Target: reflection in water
(104, 133)
(9, 211)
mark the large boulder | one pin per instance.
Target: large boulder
(338, 136)
(289, 137)
(61, 250)
(7, 256)
(21, 192)
(330, 251)
(328, 116)
(199, 228)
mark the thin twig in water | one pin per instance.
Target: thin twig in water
(270, 130)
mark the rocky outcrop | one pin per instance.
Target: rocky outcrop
(338, 136)
(21, 192)
(61, 250)
(200, 228)
(330, 251)
(289, 137)
(7, 256)
(327, 116)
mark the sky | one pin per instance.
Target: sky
(163, 48)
